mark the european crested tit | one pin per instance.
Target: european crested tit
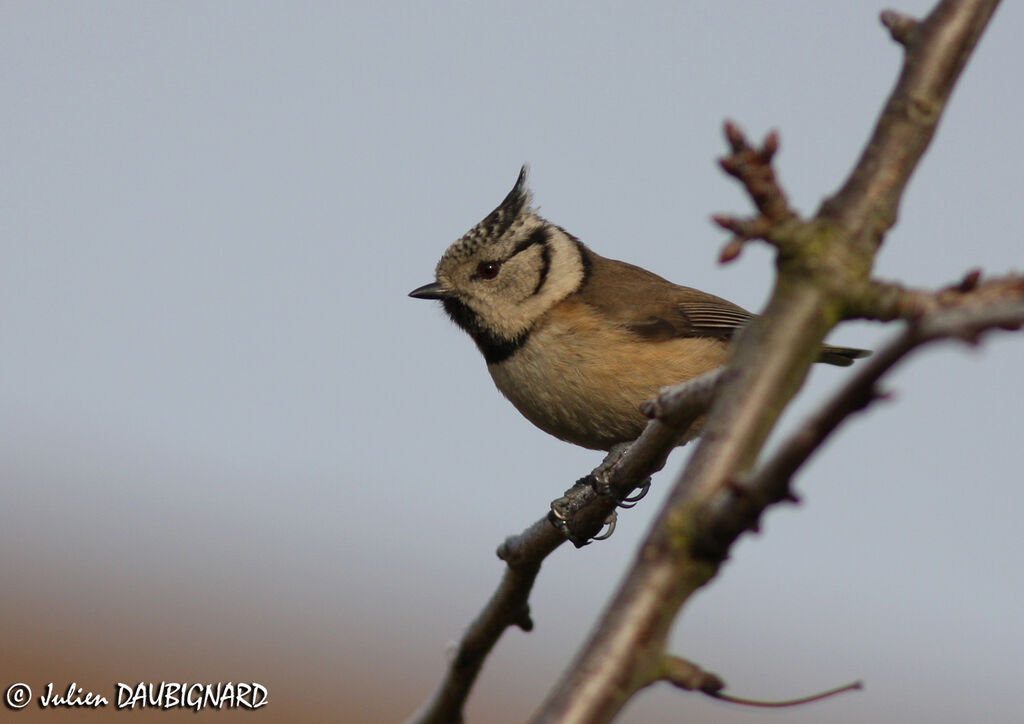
(574, 340)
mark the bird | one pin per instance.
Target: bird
(574, 340)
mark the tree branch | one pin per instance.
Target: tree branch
(936, 51)
(975, 314)
(823, 277)
(583, 511)
(820, 261)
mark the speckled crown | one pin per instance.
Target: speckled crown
(510, 213)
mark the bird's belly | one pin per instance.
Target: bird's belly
(588, 392)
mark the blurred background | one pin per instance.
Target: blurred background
(232, 449)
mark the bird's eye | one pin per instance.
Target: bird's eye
(488, 269)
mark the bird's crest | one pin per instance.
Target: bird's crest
(509, 214)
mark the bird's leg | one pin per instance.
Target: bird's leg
(602, 486)
(558, 517)
(565, 508)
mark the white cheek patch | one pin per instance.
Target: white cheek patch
(565, 273)
(515, 309)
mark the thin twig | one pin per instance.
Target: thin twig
(886, 301)
(800, 701)
(677, 407)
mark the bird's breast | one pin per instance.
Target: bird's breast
(582, 377)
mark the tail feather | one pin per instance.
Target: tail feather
(841, 356)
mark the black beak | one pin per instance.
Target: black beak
(434, 290)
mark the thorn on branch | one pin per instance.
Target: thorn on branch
(901, 27)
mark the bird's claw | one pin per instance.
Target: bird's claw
(601, 486)
(632, 499)
(610, 522)
(556, 519)
(565, 507)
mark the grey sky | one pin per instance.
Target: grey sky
(215, 395)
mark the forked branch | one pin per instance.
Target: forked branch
(823, 270)
(823, 266)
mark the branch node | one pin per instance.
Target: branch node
(505, 549)
(901, 27)
(688, 676)
(878, 394)
(523, 620)
(736, 486)
(970, 281)
(769, 147)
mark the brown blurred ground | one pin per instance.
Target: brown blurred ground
(55, 640)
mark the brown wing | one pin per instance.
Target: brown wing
(655, 308)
